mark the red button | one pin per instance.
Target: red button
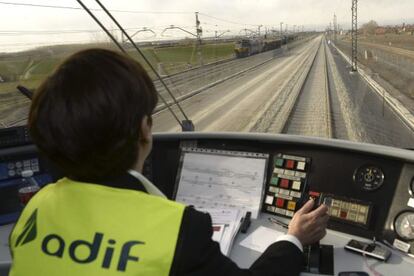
(290, 164)
(284, 183)
(343, 214)
(280, 202)
(314, 194)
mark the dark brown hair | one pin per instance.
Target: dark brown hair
(86, 117)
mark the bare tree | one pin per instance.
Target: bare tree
(370, 27)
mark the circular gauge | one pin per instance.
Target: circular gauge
(369, 178)
(404, 225)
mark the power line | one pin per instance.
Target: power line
(77, 8)
(228, 21)
(52, 32)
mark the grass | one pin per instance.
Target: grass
(30, 68)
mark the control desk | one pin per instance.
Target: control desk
(369, 189)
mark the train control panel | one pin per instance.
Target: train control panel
(368, 189)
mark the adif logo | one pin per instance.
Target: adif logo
(29, 231)
(54, 245)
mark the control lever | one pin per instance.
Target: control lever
(318, 257)
(313, 258)
(314, 249)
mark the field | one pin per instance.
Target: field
(31, 67)
(390, 59)
(404, 41)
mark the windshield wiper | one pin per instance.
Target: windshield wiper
(186, 124)
(25, 92)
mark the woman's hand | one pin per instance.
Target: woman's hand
(307, 225)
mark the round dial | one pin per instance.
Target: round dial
(404, 225)
(369, 178)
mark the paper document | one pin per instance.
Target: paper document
(261, 238)
(218, 231)
(221, 181)
(226, 224)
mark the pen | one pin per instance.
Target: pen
(278, 222)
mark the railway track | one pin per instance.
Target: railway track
(311, 112)
(13, 109)
(185, 83)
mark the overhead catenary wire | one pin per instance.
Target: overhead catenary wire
(149, 64)
(76, 31)
(77, 8)
(102, 26)
(123, 50)
(227, 21)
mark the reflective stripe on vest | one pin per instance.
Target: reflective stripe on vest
(73, 228)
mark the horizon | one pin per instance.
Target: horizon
(40, 27)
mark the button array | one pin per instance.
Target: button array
(286, 184)
(348, 210)
(15, 168)
(344, 209)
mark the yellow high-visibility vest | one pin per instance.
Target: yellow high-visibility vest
(73, 228)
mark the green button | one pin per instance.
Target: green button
(279, 162)
(274, 180)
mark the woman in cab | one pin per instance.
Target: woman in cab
(92, 119)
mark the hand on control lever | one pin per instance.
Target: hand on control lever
(307, 225)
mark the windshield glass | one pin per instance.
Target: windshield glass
(313, 68)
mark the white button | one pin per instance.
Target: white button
(12, 173)
(18, 164)
(284, 192)
(278, 171)
(289, 172)
(301, 166)
(269, 200)
(295, 194)
(272, 189)
(289, 213)
(300, 174)
(280, 211)
(296, 185)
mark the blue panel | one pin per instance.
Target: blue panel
(4, 171)
(9, 218)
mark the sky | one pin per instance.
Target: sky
(22, 27)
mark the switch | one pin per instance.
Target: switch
(296, 185)
(279, 162)
(284, 183)
(274, 180)
(301, 166)
(280, 202)
(289, 213)
(290, 164)
(291, 205)
(269, 200)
